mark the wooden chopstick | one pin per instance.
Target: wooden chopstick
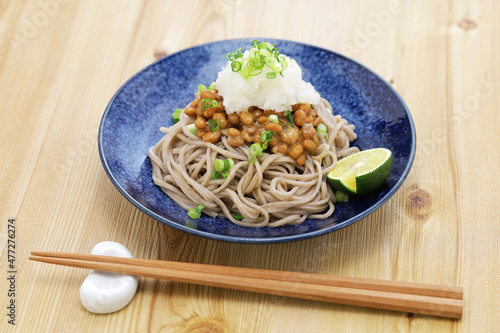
(435, 300)
(327, 280)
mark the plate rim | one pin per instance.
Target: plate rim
(273, 239)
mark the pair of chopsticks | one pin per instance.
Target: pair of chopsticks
(429, 299)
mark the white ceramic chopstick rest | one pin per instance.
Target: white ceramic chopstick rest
(104, 292)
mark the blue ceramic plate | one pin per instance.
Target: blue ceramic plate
(130, 126)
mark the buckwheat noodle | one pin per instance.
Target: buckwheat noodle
(271, 192)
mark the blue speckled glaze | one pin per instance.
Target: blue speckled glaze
(130, 126)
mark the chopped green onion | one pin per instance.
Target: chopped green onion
(206, 103)
(219, 165)
(233, 56)
(255, 62)
(191, 128)
(265, 53)
(255, 72)
(266, 45)
(222, 168)
(176, 114)
(273, 119)
(265, 137)
(201, 87)
(195, 213)
(270, 61)
(236, 66)
(223, 165)
(341, 196)
(321, 128)
(218, 175)
(228, 164)
(252, 160)
(238, 217)
(288, 115)
(214, 125)
(271, 75)
(284, 65)
(260, 55)
(256, 150)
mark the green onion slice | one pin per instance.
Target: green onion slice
(288, 115)
(255, 62)
(219, 165)
(271, 75)
(195, 213)
(176, 115)
(223, 165)
(283, 64)
(276, 68)
(265, 137)
(214, 125)
(191, 128)
(256, 150)
(273, 119)
(270, 61)
(255, 72)
(321, 128)
(238, 217)
(236, 66)
(233, 56)
(206, 103)
(228, 164)
(201, 87)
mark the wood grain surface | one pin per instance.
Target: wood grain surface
(62, 60)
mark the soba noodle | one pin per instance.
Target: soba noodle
(270, 192)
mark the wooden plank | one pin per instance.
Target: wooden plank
(441, 227)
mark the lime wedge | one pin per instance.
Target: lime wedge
(361, 172)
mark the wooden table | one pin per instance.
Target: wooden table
(62, 61)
